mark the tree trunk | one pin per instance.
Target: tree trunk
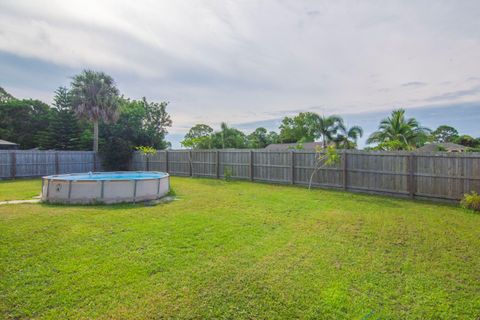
(95, 135)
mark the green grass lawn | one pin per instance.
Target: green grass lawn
(20, 189)
(239, 250)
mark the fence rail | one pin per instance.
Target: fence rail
(35, 163)
(444, 176)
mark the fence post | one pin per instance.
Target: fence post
(57, 165)
(166, 161)
(292, 166)
(94, 161)
(411, 176)
(13, 164)
(217, 164)
(251, 165)
(345, 181)
(191, 164)
(468, 172)
(147, 162)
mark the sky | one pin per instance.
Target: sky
(251, 63)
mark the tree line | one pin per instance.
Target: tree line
(396, 132)
(90, 114)
(305, 127)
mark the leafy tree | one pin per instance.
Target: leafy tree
(307, 126)
(399, 132)
(24, 121)
(348, 137)
(85, 138)
(133, 128)
(119, 139)
(272, 137)
(301, 128)
(468, 141)
(258, 138)
(298, 146)
(229, 138)
(156, 122)
(444, 134)
(63, 132)
(202, 136)
(95, 97)
(392, 145)
(198, 137)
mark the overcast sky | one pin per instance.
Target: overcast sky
(250, 61)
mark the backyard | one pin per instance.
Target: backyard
(238, 250)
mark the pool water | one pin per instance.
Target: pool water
(128, 175)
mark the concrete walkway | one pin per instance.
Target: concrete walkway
(20, 201)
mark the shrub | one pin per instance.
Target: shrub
(172, 192)
(471, 201)
(146, 150)
(116, 153)
(324, 158)
(227, 173)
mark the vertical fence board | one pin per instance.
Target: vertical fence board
(179, 162)
(6, 164)
(236, 162)
(204, 163)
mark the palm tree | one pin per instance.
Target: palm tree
(347, 138)
(224, 133)
(398, 129)
(327, 127)
(95, 97)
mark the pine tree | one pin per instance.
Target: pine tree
(5, 96)
(64, 130)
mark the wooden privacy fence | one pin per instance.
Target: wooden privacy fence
(444, 176)
(34, 163)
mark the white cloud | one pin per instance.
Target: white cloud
(243, 61)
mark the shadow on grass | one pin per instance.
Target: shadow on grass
(104, 206)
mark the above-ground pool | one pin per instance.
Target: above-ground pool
(105, 187)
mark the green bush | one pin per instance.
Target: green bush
(471, 201)
(172, 192)
(227, 173)
(116, 153)
(146, 150)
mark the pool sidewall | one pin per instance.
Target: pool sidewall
(58, 190)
